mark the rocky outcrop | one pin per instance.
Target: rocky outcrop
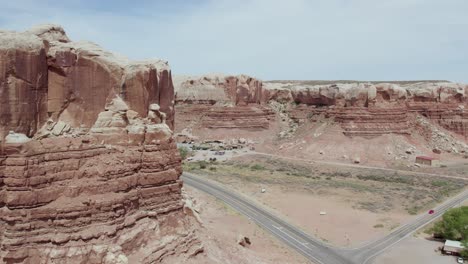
(372, 109)
(362, 109)
(89, 170)
(23, 83)
(217, 101)
(235, 90)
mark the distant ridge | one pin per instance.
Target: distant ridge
(325, 82)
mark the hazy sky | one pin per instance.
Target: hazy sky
(294, 39)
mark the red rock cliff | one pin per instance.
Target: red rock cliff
(373, 109)
(89, 171)
(217, 101)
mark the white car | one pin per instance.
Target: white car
(460, 260)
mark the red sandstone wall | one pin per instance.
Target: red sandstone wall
(222, 102)
(368, 109)
(99, 182)
(363, 109)
(23, 87)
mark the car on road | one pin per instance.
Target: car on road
(431, 211)
(460, 260)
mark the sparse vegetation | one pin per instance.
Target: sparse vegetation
(413, 210)
(184, 152)
(257, 167)
(440, 183)
(378, 226)
(387, 190)
(202, 164)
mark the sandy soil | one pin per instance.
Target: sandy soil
(415, 250)
(221, 228)
(342, 225)
(359, 206)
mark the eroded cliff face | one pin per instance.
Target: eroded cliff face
(362, 109)
(366, 109)
(89, 170)
(217, 101)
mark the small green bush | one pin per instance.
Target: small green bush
(184, 152)
(413, 210)
(257, 167)
(439, 183)
(203, 164)
(378, 226)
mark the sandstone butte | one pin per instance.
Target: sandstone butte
(361, 108)
(89, 170)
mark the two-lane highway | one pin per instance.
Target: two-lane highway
(312, 248)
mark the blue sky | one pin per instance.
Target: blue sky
(269, 39)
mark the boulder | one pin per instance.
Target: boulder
(243, 240)
(16, 138)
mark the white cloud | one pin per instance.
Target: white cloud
(297, 39)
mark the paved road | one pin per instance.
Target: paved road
(308, 246)
(313, 249)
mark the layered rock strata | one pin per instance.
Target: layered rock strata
(89, 171)
(362, 109)
(373, 109)
(232, 102)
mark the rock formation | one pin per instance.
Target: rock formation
(217, 101)
(368, 109)
(89, 171)
(362, 109)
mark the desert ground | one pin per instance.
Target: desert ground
(358, 204)
(220, 229)
(415, 250)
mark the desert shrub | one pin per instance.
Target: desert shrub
(413, 210)
(212, 168)
(202, 164)
(439, 183)
(184, 152)
(386, 178)
(257, 167)
(378, 226)
(343, 174)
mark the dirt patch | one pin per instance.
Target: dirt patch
(221, 229)
(415, 250)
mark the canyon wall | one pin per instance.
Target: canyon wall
(372, 109)
(217, 101)
(362, 109)
(89, 170)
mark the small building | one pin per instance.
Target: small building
(425, 160)
(452, 247)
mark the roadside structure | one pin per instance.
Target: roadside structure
(425, 160)
(452, 247)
